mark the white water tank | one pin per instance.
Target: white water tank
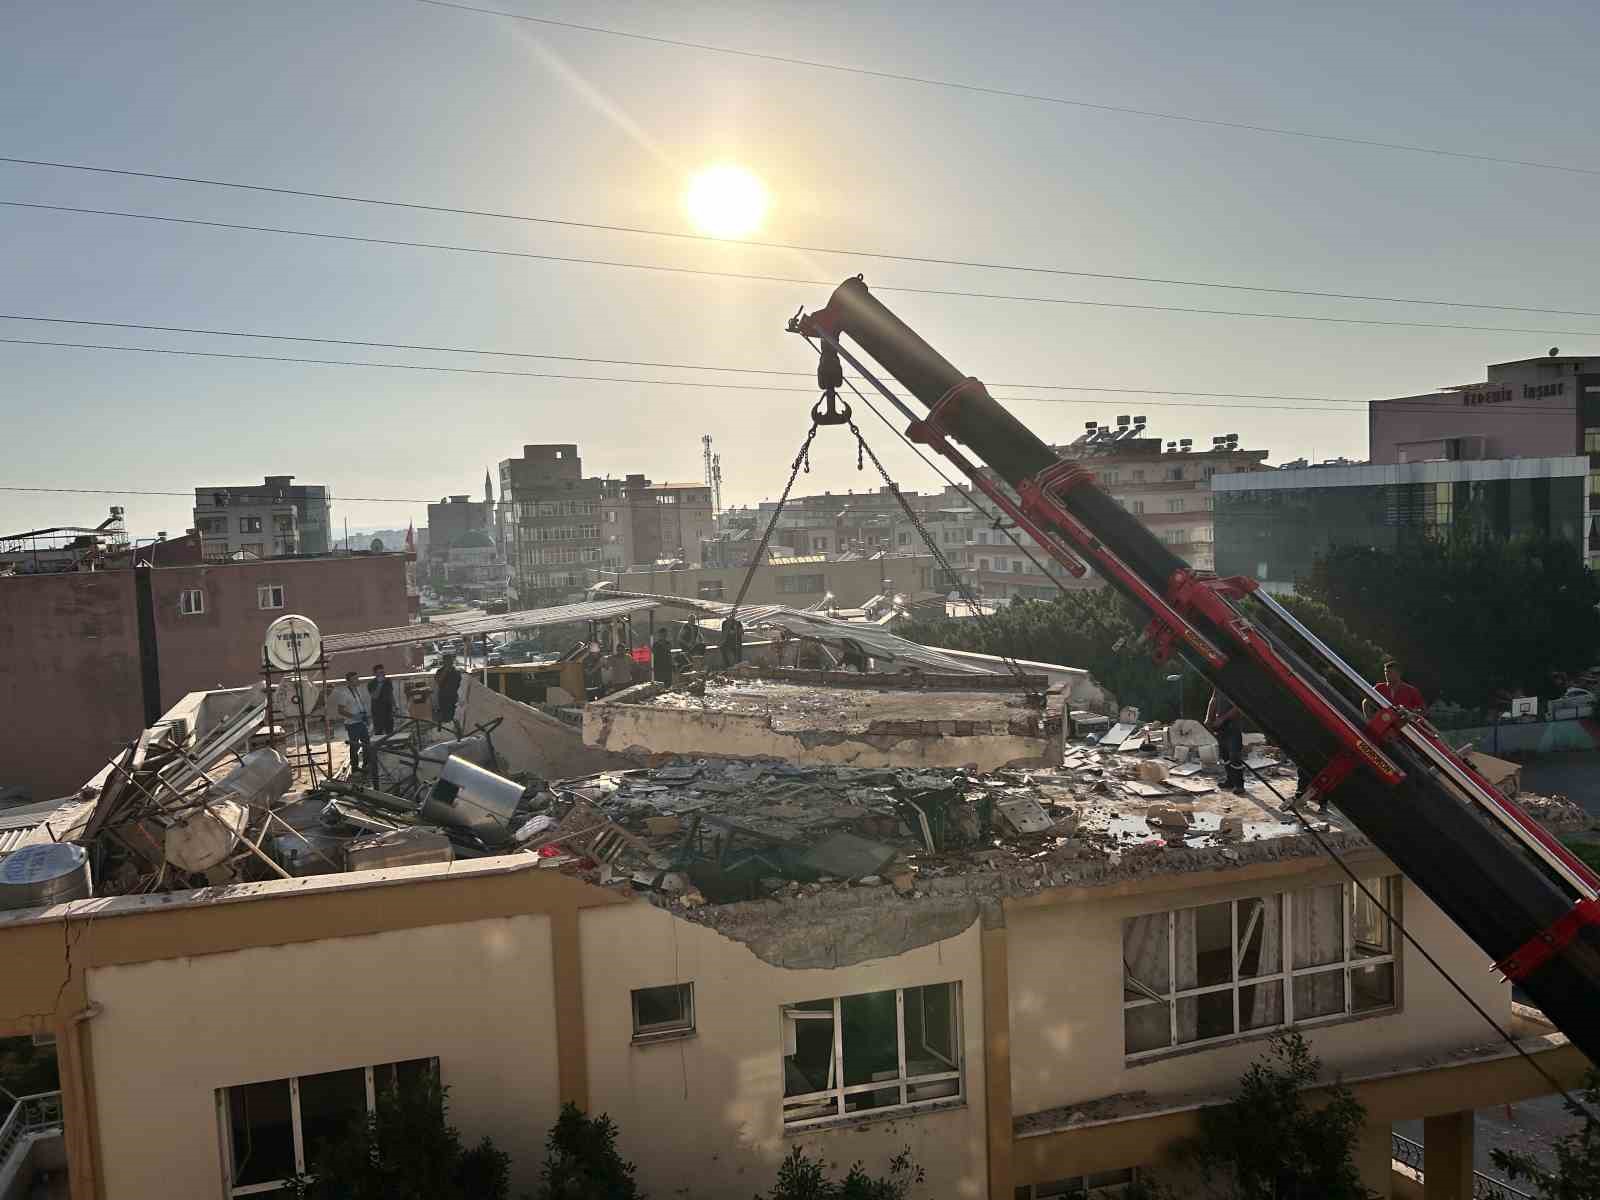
(35, 876)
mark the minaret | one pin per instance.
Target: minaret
(488, 489)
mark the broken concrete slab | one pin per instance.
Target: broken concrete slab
(846, 856)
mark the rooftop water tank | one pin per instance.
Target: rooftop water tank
(35, 876)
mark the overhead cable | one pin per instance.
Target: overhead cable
(798, 282)
(677, 383)
(1035, 97)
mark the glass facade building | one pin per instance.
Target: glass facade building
(1273, 525)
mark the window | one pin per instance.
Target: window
(1112, 477)
(212, 525)
(1174, 473)
(983, 537)
(191, 601)
(1136, 506)
(274, 1131)
(1591, 437)
(1211, 503)
(1221, 970)
(710, 589)
(902, 539)
(1016, 566)
(1175, 537)
(801, 583)
(1137, 475)
(663, 1012)
(819, 544)
(1101, 1185)
(269, 595)
(878, 1050)
(249, 524)
(983, 564)
(283, 524)
(1206, 472)
(1175, 504)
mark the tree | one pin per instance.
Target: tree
(1099, 631)
(802, 1178)
(1268, 1143)
(1577, 1172)
(1470, 619)
(407, 1150)
(581, 1160)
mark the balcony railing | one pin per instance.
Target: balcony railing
(1408, 1153)
(30, 1115)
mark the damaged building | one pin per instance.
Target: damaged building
(769, 908)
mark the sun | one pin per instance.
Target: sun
(726, 202)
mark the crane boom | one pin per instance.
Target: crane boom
(1524, 898)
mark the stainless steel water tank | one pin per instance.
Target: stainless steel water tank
(471, 798)
(35, 876)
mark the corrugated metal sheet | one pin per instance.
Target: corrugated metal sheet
(876, 640)
(444, 628)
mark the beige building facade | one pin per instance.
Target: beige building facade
(797, 582)
(1008, 1041)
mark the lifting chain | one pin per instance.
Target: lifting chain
(802, 459)
(938, 555)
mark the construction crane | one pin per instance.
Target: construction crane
(1521, 895)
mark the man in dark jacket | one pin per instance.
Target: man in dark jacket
(732, 641)
(381, 692)
(661, 656)
(1225, 720)
(446, 687)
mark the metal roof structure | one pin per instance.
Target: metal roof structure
(445, 628)
(874, 639)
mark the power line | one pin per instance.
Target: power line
(619, 362)
(784, 279)
(1010, 94)
(684, 383)
(643, 231)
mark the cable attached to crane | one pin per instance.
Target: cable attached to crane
(1289, 806)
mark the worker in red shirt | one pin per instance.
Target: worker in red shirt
(1397, 691)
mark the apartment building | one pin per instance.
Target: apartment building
(271, 519)
(1023, 1032)
(551, 537)
(643, 522)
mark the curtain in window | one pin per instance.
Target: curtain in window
(1261, 953)
(1185, 947)
(1318, 937)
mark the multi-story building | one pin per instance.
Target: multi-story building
(1274, 524)
(1033, 1025)
(643, 522)
(450, 522)
(798, 582)
(88, 658)
(552, 539)
(473, 569)
(1533, 408)
(267, 520)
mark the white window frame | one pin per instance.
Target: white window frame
(1075, 1186)
(192, 602)
(835, 1094)
(225, 1129)
(1388, 892)
(665, 1030)
(264, 595)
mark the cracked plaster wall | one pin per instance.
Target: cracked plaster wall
(643, 729)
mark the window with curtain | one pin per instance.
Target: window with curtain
(1238, 967)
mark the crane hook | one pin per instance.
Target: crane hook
(830, 410)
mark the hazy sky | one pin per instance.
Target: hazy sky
(401, 100)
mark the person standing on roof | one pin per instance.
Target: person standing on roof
(351, 703)
(661, 656)
(446, 687)
(380, 693)
(1397, 691)
(1225, 720)
(732, 640)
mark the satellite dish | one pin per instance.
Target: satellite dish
(293, 643)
